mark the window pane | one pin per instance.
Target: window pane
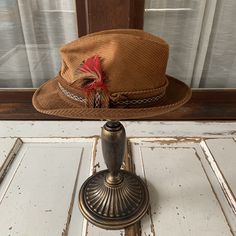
(31, 33)
(202, 36)
(220, 64)
(179, 23)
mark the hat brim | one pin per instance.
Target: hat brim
(48, 99)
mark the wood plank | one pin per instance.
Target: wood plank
(54, 129)
(78, 225)
(196, 144)
(204, 105)
(222, 154)
(224, 151)
(171, 134)
(216, 186)
(97, 15)
(179, 190)
(37, 193)
(6, 145)
(8, 150)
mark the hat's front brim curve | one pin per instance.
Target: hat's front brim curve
(49, 100)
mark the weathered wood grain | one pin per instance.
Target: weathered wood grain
(166, 154)
(97, 15)
(224, 152)
(182, 200)
(222, 161)
(8, 150)
(77, 224)
(70, 129)
(37, 193)
(6, 145)
(216, 186)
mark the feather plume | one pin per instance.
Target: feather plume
(91, 75)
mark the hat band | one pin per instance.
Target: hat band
(137, 101)
(71, 95)
(114, 103)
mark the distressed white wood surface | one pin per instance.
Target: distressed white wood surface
(221, 156)
(216, 185)
(182, 200)
(95, 164)
(8, 149)
(186, 188)
(6, 145)
(133, 129)
(224, 152)
(38, 191)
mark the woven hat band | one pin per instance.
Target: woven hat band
(101, 100)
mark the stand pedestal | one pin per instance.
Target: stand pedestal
(113, 198)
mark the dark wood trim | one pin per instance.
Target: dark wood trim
(204, 105)
(97, 15)
(81, 12)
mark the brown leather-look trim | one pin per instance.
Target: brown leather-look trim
(119, 96)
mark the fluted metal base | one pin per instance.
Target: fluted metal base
(113, 206)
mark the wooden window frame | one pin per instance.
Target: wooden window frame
(96, 15)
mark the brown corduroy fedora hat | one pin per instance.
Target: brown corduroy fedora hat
(115, 75)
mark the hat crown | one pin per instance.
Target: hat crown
(134, 62)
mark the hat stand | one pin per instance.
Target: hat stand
(113, 198)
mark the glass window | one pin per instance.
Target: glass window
(31, 33)
(202, 39)
(201, 35)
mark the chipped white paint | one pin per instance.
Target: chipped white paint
(133, 129)
(169, 140)
(6, 145)
(225, 187)
(8, 150)
(216, 187)
(182, 201)
(166, 154)
(36, 195)
(224, 152)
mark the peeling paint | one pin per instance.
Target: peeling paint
(165, 141)
(94, 154)
(224, 186)
(96, 166)
(10, 158)
(233, 132)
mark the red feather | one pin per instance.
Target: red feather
(92, 76)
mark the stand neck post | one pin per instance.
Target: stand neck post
(113, 147)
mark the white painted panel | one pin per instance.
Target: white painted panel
(8, 150)
(182, 200)
(39, 191)
(78, 225)
(224, 153)
(216, 186)
(133, 129)
(6, 144)
(178, 141)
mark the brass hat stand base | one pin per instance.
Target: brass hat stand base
(113, 198)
